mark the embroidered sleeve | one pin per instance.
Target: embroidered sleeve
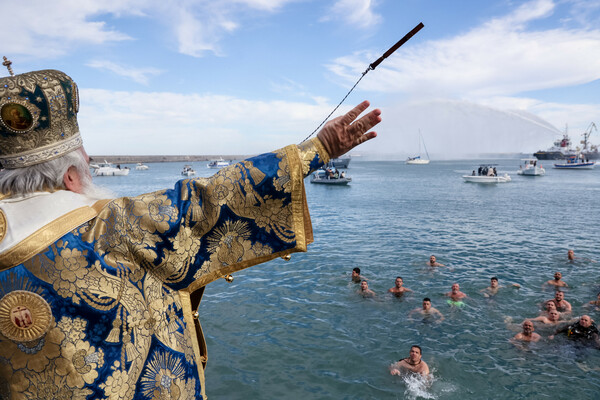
(205, 228)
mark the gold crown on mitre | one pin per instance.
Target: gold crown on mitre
(38, 117)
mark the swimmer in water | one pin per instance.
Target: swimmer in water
(561, 304)
(356, 276)
(455, 294)
(413, 363)
(365, 291)
(399, 289)
(571, 255)
(427, 310)
(492, 290)
(553, 318)
(596, 302)
(583, 330)
(527, 334)
(557, 281)
(433, 263)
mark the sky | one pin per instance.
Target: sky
(245, 77)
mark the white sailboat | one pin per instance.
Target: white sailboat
(417, 160)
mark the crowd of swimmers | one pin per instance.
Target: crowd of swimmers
(557, 313)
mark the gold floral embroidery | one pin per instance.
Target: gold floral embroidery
(164, 378)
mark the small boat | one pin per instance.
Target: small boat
(530, 167)
(486, 173)
(220, 163)
(576, 162)
(341, 162)
(417, 160)
(107, 169)
(141, 166)
(326, 177)
(188, 171)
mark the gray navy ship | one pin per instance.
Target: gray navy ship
(562, 148)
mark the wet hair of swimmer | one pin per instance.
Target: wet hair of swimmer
(493, 278)
(429, 300)
(357, 270)
(417, 347)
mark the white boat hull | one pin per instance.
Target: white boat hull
(107, 171)
(585, 165)
(532, 171)
(486, 179)
(332, 181)
(417, 162)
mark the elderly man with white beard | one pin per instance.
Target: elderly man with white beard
(99, 295)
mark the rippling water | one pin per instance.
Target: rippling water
(298, 329)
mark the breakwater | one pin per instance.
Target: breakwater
(122, 159)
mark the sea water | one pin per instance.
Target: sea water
(299, 329)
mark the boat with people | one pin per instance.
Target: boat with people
(329, 175)
(487, 173)
(576, 162)
(188, 170)
(531, 167)
(417, 160)
(219, 163)
(141, 167)
(108, 169)
(341, 162)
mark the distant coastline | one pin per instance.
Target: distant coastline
(128, 159)
(121, 159)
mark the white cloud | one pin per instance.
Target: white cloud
(139, 75)
(171, 123)
(498, 58)
(40, 28)
(49, 29)
(359, 13)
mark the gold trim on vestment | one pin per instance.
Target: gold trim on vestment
(186, 306)
(45, 236)
(301, 228)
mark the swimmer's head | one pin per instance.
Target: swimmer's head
(570, 254)
(553, 315)
(455, 287)
(415, 352)
(550, 305)
(528, 327)
(559, 295)
(364, 285)
(494, 282)
(432, 259)
(426, 303)
(557, 276)
(585, 321)
(355, 272)
(399, 281)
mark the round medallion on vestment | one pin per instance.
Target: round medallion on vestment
(24, 316)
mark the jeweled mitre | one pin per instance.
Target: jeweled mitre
(38, 118)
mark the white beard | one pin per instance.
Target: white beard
(95, 192)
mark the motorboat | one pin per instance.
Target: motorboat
(141, 166)
(417, 160)
(530, 167)
(220, 163)
(108, 169)
(576, 162)
(188, 171)
(486, 173)
(327, 177)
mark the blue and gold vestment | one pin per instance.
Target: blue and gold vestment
(98, 300)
